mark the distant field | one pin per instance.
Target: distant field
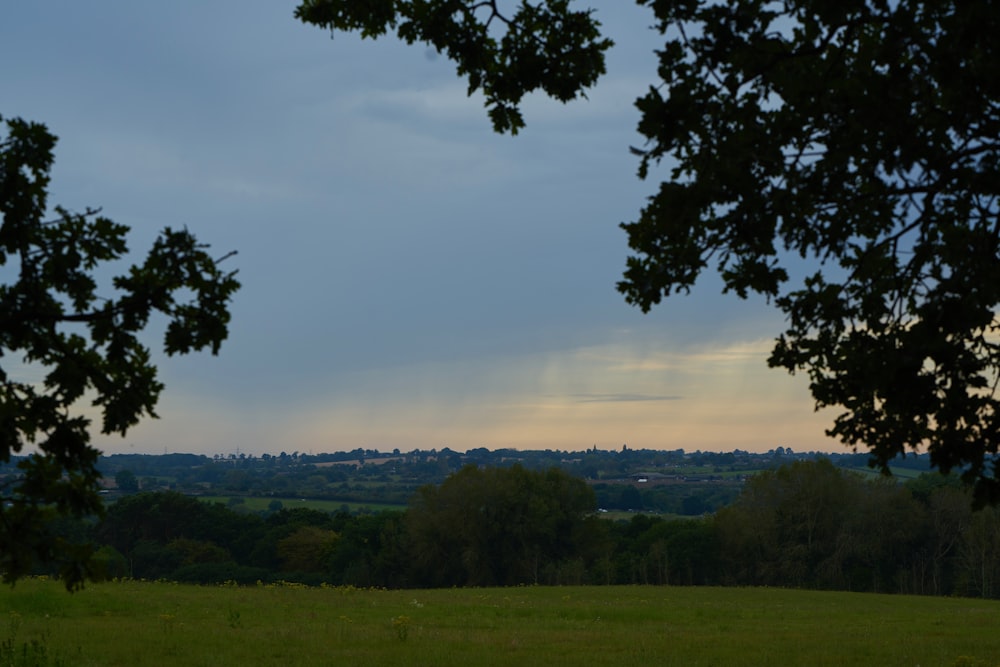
(901, 474)
(140, 623)
(256, 504)
(625, 515)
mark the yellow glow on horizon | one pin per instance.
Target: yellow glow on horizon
(719, 397)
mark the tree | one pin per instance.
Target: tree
(785, 526)
(947, 519)
(275, 506)
(544, 46)
(126, 481)
(371, 551)
(977, 555)
(307, 549)
(839, 158)
(84, 341)
(497, 526)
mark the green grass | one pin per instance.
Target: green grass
(901, 474)
(260, 504)
(625, 515)
(143, 623)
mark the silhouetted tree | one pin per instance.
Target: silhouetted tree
(838, 158)
(84, 339)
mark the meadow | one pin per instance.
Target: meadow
(261, 504)
(144, 623)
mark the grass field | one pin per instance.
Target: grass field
(142, 623)
(259, 504)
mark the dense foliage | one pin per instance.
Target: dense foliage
(806, 524)
(839, 158)
(498, 526)
(861, 137)
(545, 46)
(83, 340)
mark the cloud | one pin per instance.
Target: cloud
(566, 399)
(621, 398)
(410, 278)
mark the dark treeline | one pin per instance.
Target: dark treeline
(805, 524)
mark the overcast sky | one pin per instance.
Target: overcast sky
(410, 279)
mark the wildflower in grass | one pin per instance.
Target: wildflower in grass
(13, 624)
(167, 622)
(401, 624)
(345, 621)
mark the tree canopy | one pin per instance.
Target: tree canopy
(543, 46)
(81, 337)
(839, 158)
(497, 526)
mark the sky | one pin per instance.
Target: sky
(410, 279)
